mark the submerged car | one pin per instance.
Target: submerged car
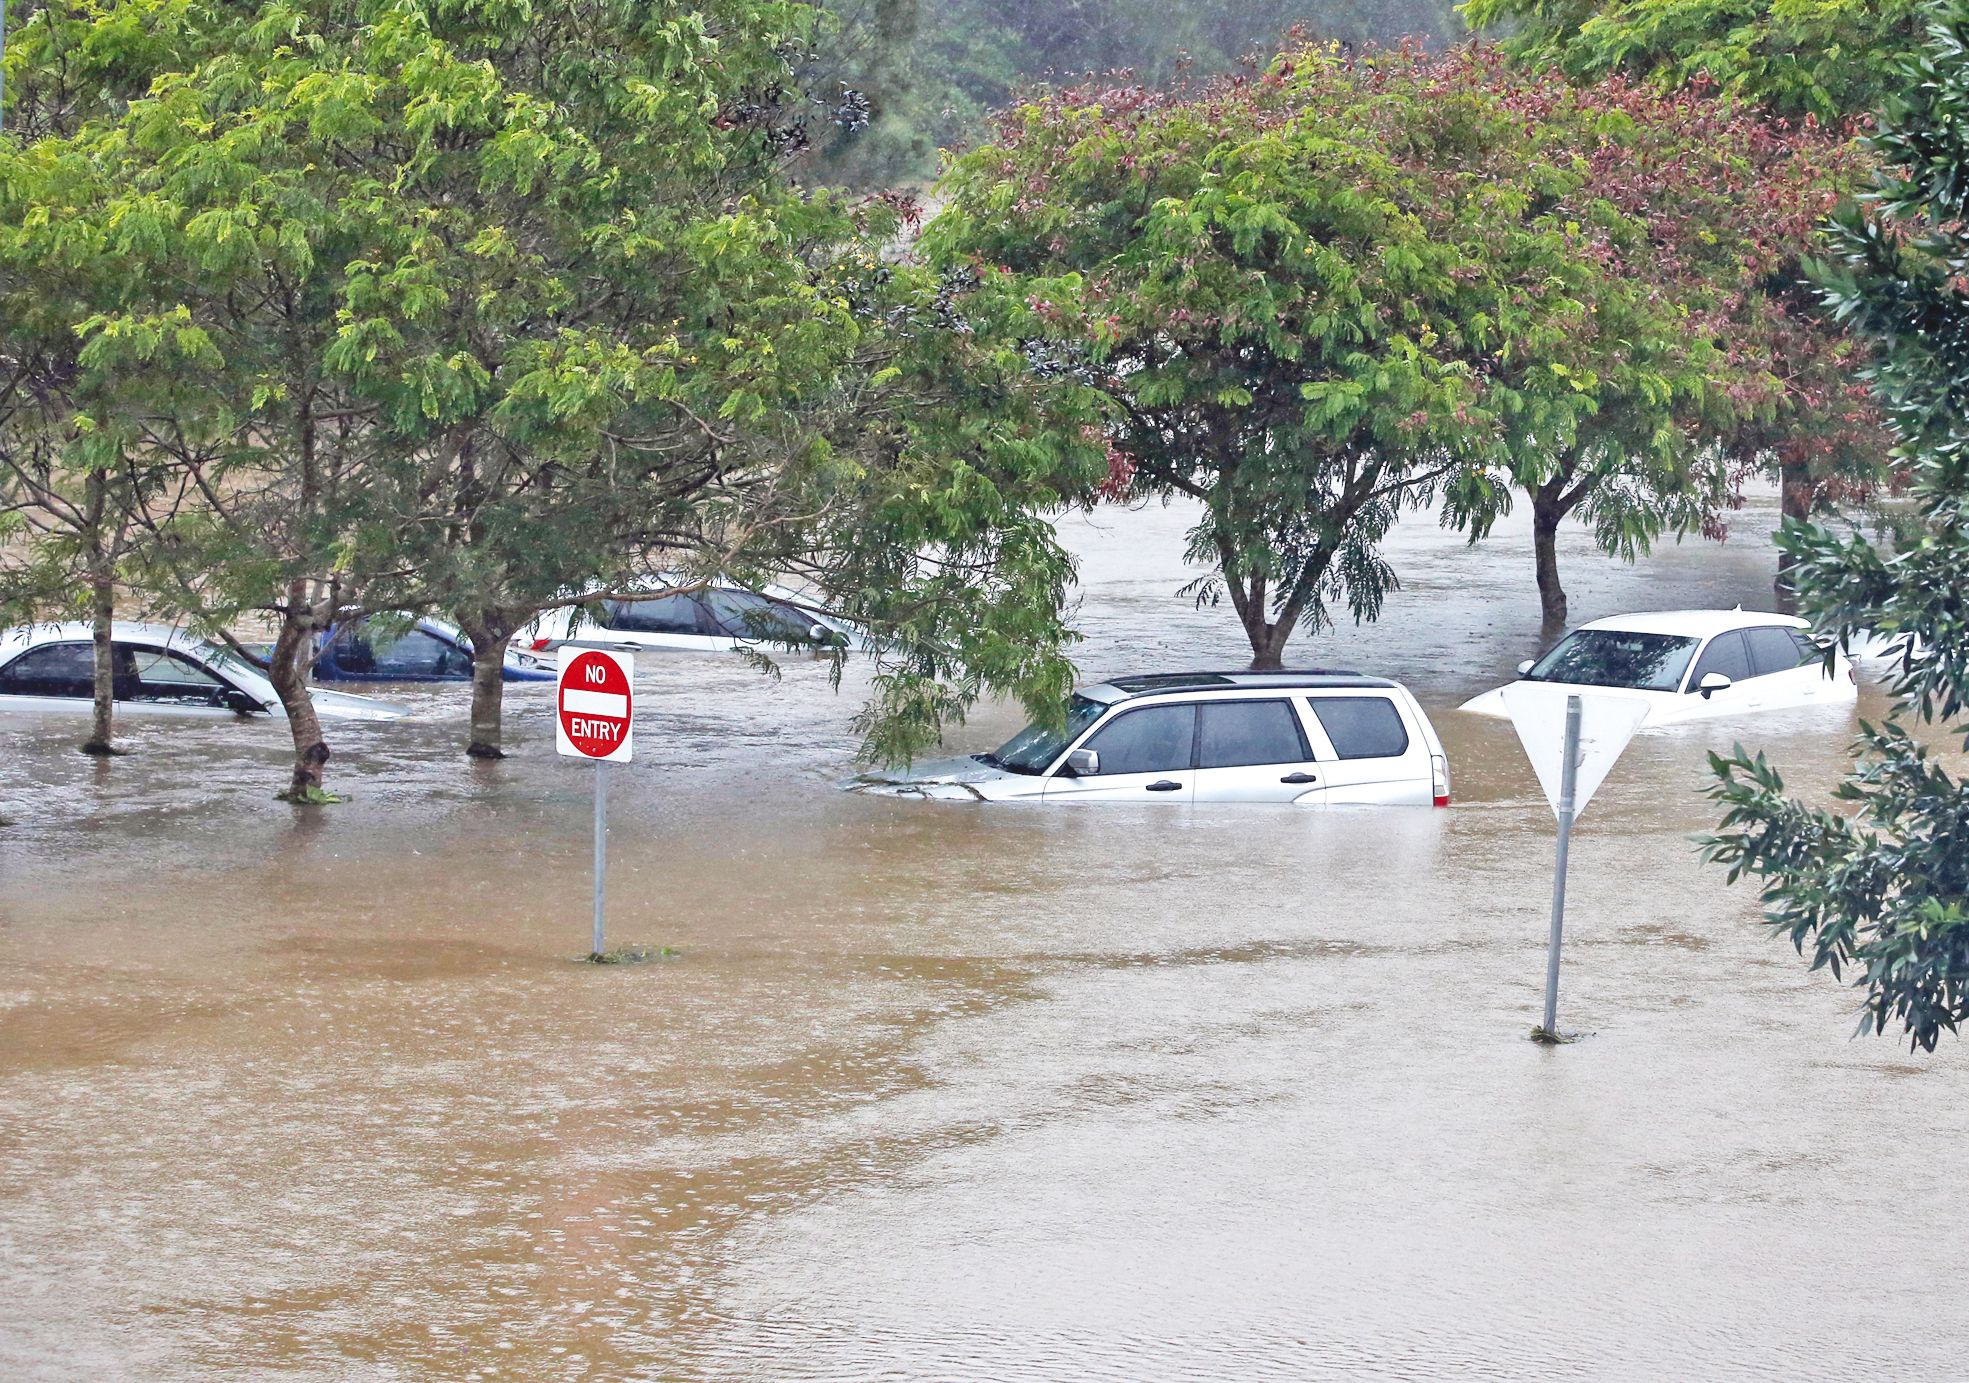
(714, 619)
(376, 649)
(157, 670)
(1313, 738)
(1692, 665)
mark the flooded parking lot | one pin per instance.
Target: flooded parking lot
(948, 1092)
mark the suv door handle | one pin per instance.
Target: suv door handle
(1299, 778)
(1164, 785)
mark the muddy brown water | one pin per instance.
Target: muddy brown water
(939, 1091)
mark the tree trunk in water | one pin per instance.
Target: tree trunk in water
(1795, 503)
(102, 610)
(293, 656)
(488, 633)
(1545, 515)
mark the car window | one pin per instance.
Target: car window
(1362, 727)
(1775, 650)
(54, 669)
(156, 674)
(746, 615)
(1726, 655)
(1034, 748)
(352, 649)
(416, 653)
(1155, 739)
(662, 614)
(1617, 658)
(1233, 734)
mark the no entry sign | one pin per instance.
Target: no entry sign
(594, 714)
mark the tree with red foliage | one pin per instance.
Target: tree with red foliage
(1355, 286)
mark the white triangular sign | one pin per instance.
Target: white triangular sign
(1606, 723)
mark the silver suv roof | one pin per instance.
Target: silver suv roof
(1162, 683)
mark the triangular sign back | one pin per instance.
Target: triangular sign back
(1606, 724)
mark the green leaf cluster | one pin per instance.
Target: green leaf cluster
(1827, 59)
(1879, 890)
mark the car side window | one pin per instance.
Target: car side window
(163, 676)
(1774, 650)
(1155, 739)
(661, 614)
(1362, 727)
(417, 653)
(353, 652)
(55, 669)
(748, 615)
(1725, 654)
(1235, 734)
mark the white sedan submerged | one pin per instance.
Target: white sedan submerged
(157, 670)
(1692, 665)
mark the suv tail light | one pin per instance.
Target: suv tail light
(1439, 778)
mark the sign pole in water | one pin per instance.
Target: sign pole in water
(1569, 784)
(594, 718)
(1572, 740)
(601, 853)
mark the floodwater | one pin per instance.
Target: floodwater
(948, 1091)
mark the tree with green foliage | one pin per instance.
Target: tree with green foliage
(78, 505)
(468, 304)
(1356, 286)
(1814, 69)
(1878, 890)
(1824, 59)
(1633, 408)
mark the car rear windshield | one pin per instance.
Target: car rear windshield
(1617, 658)
(1034, 748)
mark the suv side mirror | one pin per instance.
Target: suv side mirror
(1713, 682)
(1524, 667)
(1084, 763)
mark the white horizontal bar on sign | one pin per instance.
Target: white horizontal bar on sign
(577, 702)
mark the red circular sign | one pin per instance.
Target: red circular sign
(593, 703)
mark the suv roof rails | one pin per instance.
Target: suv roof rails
(1140, 684)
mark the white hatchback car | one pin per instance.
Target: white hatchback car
(1311, 738)
(157, 670)
(716, 619)
(1692, 665)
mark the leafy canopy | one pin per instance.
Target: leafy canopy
(1828, 59)
(1321, 297)
(1880, 888)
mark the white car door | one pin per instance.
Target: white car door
(1790, 671)
(50, 677)
(1377, 759)
(1728, 654)
(162, 681)
(1254, 751)
(1145, 756)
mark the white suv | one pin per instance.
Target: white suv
(1312, 738)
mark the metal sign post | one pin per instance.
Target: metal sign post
(1572, 739)
(1568, 785)
(595, 719)
(601, 854)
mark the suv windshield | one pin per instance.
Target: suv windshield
(1617, 658)
(1034, 748)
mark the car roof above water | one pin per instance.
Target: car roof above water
(1694, 624)
(1292, 679)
